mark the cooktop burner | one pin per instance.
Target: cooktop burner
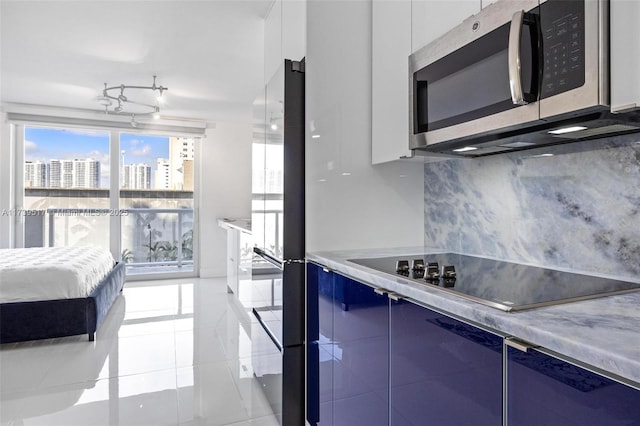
(503, 285)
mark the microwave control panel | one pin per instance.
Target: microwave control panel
(563, 64)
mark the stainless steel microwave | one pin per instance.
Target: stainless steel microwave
(519, 74)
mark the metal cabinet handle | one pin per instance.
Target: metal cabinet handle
(515, 74)
(394, 296)
(380, 291)
(519, 344)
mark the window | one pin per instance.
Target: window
(156, 190)
(66, 187)
(69, 176)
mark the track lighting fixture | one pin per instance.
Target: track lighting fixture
(111, 97)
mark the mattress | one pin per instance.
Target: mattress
(51, 273)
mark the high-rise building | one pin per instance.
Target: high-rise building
(180, 149)
(86, 173)
(55, 173)
(35, 174)
(74, 173)
(163, 174)
(79, 174)
(187, 172)
(137, 176)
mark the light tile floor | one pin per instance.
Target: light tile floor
(173, 352)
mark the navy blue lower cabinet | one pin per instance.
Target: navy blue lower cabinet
(320, 346)
(443, 371)
(361, 354)
(545, 390)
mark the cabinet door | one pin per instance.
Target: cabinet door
(320, 356)
(543, 390)
(433, 18)
(443, 370)
(625, 55)
(245, 257)
(361, 353)
(233, 252)
(485, 3)
(391, 47)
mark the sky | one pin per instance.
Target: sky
(44, 144)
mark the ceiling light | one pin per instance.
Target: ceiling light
(346, 174)
(315, 136)
(143, 107)
(465, 149)
(516, 144)
(274, 126)
(567, 130)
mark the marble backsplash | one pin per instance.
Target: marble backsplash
(574, 206)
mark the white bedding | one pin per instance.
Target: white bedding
(51, 273)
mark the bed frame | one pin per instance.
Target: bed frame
(21, 321)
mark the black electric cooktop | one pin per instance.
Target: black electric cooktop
(503, 285)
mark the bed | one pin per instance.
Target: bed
(56, 291)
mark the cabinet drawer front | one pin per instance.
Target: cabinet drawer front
(542, 389)
(443, 369)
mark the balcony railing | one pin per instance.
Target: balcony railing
(267, 224)
(169, 233)
(150, 237)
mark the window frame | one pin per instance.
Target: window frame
(115, 221)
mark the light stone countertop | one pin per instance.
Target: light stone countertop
(243, 225)
(603, 332)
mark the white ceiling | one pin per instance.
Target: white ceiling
(209, 53)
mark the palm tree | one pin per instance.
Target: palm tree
(187, 245)
(127, 256)
(169, 250)
(155, 251)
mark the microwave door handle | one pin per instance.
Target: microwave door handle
(515, 74)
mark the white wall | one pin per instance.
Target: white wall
(225, 190)
(349, 202)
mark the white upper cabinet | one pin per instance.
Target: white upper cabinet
(272, 41)
(400, 27)
(294, 30)
(285, 35)
(485, 3)
(391, 47)
(625, 55)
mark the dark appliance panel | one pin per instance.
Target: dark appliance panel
(280, 240)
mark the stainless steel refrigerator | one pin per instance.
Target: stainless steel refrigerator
(278, 329)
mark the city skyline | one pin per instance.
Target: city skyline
(43, 144)
(76, 173)
(174, 171)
